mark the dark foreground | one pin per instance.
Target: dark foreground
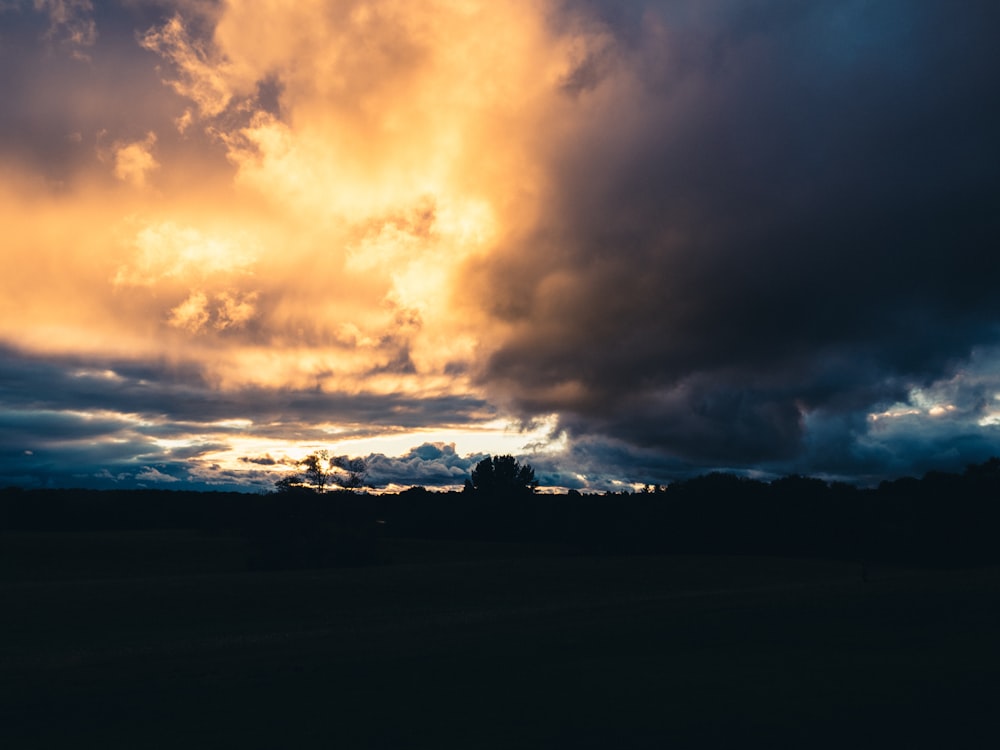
(499, 647)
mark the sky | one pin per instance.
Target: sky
(628, 242)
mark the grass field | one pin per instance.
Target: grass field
(496, 647)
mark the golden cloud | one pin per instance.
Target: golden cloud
(133, 161)
(404, 140)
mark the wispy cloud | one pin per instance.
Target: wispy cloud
(70, 22)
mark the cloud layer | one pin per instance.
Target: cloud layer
(703, 235)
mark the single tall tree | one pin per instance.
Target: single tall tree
(501, 476)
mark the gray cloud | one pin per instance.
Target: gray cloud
(265, 460)
(66, 421)
(181, 396)
(429, 464)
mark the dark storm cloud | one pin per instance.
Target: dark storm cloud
(792, 220)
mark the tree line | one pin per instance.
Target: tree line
(940, 519)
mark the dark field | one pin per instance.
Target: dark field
(156, 639)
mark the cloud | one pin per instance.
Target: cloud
(152, 474)
(192, 313)
(63, 418)
(203, 74)
(168, 398)
(264, 460)
(134, 161)
(224, 311)
(755, 224)
(166, 252)
(364, 175)
(429, 464)
(72, 20)
(703, 234)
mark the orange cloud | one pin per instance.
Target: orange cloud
(133, 161)
(330, 245)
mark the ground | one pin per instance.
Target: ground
(486, 646)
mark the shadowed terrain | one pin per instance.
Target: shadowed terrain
(528, 650)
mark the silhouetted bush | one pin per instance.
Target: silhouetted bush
(501, 476)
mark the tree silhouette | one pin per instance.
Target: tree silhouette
(320, 471)
(316, 470)
(315, 475)
(501, 476)
(349, 473)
